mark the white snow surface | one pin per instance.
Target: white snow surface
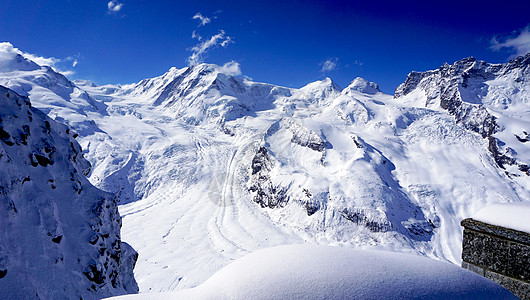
(323, 272)
(509, 215)
(209, 167)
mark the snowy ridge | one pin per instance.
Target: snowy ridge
(60, 234)
(209, 166)
(201, 92)
(50, 91)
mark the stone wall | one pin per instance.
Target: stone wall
(498, 253)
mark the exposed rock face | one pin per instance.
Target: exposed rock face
(266, 194)
(349, 166)
(467, 90)
(60, 234)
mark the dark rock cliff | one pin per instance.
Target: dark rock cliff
(60, 235)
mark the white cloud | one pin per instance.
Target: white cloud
(66, 72)
(330, 64)
(195, 35)
(199, 50)
(520, 43)
(231, 68)
(203, 20)
(52, 62)
(43, 61)
(114, 6)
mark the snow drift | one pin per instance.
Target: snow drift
(322, 272)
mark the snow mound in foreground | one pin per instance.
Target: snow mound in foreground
(323, 272)
(508, 215)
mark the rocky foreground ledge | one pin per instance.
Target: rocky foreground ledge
(60, 235)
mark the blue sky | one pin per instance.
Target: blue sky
(281, 42)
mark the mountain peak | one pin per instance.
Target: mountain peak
(364, 86)
(11, 60)
(231, 68)
(320, 89)
(326, 83)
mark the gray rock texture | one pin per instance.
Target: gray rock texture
(498, 253)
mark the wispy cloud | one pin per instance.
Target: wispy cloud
(354, 63)
(40, 60)
(195, 35)
(114, 6)
(329, 65)
(199, 50)
(57, 64)
(519, 42)
(202, 19)
(231, 68)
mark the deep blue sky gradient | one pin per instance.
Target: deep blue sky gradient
(280, 42)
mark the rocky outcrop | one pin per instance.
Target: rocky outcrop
(60, 234)
(266, 194)
(444, 87)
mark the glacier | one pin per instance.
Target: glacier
(208, 166)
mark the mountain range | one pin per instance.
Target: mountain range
(207, 166)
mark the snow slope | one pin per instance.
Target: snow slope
(60, 234)
(322, 272)
(209, 167)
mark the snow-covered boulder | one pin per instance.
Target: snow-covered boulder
(322, 272)
(60, 235)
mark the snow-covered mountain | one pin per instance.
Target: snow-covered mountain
(60, 234)
(490, 99)
(210, 166)
(55, 95)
